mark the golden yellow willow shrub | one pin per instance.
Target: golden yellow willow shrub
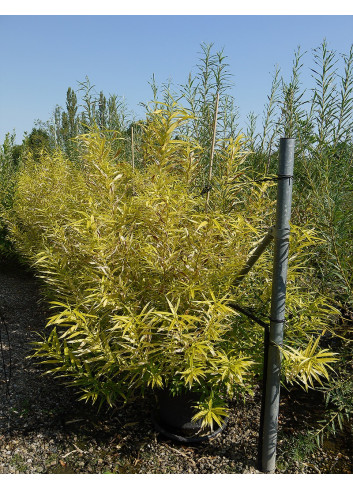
(140, 275)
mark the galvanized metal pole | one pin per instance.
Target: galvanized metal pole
(279, 279)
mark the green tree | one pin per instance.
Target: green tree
(71, 107)
(102, 111)
(37, 141)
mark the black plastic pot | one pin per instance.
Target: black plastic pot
(173, 418)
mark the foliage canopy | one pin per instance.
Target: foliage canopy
(141, 276)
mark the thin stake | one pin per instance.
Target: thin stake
(212, 150)
(272, 376)
(255, 255)
(132, 147)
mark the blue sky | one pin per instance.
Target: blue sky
(43, 55)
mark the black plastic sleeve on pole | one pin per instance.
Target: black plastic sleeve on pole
(272, 361)
(263, 397)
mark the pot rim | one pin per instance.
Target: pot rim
(188, 439)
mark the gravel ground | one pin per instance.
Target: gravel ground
(43, 429)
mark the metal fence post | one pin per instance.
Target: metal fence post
(270, 408)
